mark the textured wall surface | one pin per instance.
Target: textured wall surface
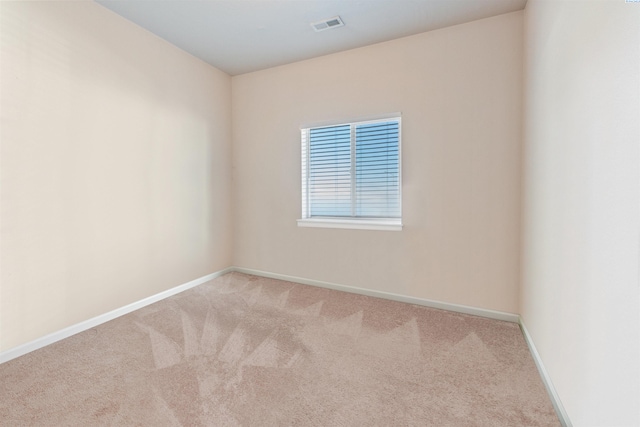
(459, 91)
(580, 298)
(115, 166)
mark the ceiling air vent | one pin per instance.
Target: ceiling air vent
(334, 22)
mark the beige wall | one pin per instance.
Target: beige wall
(459, 92)
(580, 295)
(115, 166)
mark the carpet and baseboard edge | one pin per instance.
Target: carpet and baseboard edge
(53, 337)
(482, 312)
(546, 379)
(491, 314)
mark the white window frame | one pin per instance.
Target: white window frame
(357, 223)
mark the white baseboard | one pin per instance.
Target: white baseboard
(546, 379)
(491, 314)
(12, 353)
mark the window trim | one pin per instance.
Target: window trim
(355, 223)
(359, 223)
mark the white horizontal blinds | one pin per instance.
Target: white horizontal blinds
(377, 169)
(352, 170)
(329, 169)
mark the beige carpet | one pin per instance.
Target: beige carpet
(244, 350)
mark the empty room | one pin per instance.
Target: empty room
(320, 212)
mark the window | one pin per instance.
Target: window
(351, 175)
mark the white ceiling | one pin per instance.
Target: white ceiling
(240, 36)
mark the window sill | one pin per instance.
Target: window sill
(354, 224)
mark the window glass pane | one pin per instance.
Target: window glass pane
(377, 170)
(330, 171)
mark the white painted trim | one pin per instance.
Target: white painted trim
(352, 119)
(482, 312)
(38, 343)
(546, 379)
(355, 224)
